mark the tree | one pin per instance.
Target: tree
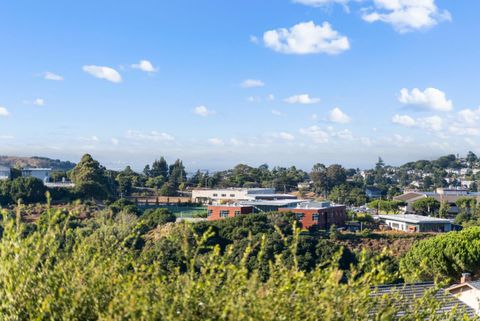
(27, 190)
(426, 206)
(159, 168)
(445, 256)
(90, 178)
(444, 209)
(472, 159)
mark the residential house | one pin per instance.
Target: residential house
(467, 291)
(42, 174)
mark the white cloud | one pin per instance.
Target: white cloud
(407, 15)
(404, 120)
(115, 141)
(432, 123)
(39, 102)
(216, 141)
(144, 65)
(203, 111)
(4, 112)
(252, 83)
(253, 39)
(336, 115)
(430, 98)
(344, 134)
(467, 122)
(284, 136)
(277, 112)
(271, 97)
(103, 72)
(302, 99)
(316, 133)
(152, 135)
(319, 3)
(6, 137)
(51, 76)
(306, 38)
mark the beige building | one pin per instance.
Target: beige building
(237, 194)
(441, 194)
(468, 292)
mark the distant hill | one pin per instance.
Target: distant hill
(19, 162)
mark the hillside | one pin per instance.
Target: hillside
(35, 161)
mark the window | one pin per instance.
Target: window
(315, 217)
(224, 213)
(237, 213)
(232, 195)
(209, 213)
(215, 195)
(300, 216)
(224, 195)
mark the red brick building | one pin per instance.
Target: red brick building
(323, 217)
(308, 213)
(218, 212)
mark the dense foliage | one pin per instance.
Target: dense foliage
(445, 256)
(62, 268)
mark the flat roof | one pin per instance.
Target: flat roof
(415, 219)
(36, 169)
(272, 203)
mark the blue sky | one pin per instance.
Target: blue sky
(217, 83)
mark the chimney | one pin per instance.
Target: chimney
(466, 277)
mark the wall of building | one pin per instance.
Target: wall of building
(215, 211)
(326, 217)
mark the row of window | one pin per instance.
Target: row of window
(223, 213)
(315, 216)
(223, 195)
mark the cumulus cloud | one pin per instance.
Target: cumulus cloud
(252, 83)
(430, 98)
(216, 141)
(103, 72)
(4, 112)
(316, 133)
(203, 111)
(406, 15)
(304, 99)
(151, 136)
(144, 65)
(306, 38)
(52, 76)
(404, 120)
(336, 115)
(432, 123)
(467, 122)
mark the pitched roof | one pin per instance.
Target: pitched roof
(407, 293)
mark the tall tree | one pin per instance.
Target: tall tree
(90, 178)
(159, 168)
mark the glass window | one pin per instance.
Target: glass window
(232, 195)
(237, 213)
(224, 213)
(224, 195)
(209, 213)
(215, 195)
(315, 217)
(300, 216)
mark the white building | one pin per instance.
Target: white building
(237, 194)
(42, 174)
(5, 173)
(416, 223)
